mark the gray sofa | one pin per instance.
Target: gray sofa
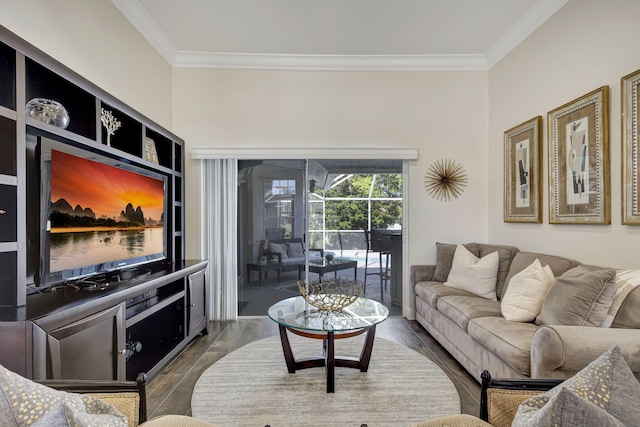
(476, 334)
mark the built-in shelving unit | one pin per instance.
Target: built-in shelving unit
(26, 73)
(66, 333)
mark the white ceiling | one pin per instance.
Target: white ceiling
(337, 34)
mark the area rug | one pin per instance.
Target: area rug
(251, 387)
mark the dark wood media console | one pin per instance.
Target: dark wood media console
(113, 331)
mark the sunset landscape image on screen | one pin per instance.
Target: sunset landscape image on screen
(103, 195)
(101, 213)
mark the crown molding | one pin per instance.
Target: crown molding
(331, 62)
(148, 27)
(519, 31)
(304, 153)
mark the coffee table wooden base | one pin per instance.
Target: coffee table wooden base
(328, 360)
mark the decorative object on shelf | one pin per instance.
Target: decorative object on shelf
(48, 111)
(522, 172)
(333, 295)
(444, 179)
(579, 160)
(150, 152)
(630, 147)
(110, 123)
(329, 258)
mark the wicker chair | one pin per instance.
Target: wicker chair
(129, 397)
(499, 401)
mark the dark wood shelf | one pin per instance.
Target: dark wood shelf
(8, 146)
(128, 137)
(8, 73)
(81, 105)
(164, 148)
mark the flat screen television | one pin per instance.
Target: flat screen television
(97, 214)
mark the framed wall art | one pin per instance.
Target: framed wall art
(522, 170)
(579, 160)
(630, 155)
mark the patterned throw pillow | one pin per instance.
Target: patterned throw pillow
(567, 409)
(23, 402)
(607, 383)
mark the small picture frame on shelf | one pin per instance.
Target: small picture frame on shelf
(522, 170)
(579, 160)
(150, 153)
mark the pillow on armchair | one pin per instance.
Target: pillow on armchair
(295, 250)
(278, 248)
(606, 389)
(24, 403)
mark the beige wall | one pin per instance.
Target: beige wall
(93, 39)
(443, 115)
(586, 45)
(462, 116)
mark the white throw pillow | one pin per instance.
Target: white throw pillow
(472, 274)
(523, 299)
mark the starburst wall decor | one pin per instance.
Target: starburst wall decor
(444, 179)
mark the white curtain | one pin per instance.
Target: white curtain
(220, 235)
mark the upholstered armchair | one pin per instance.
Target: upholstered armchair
(499, 401)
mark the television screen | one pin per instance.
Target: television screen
(100, 214)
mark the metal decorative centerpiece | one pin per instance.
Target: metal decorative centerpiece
(332, 295)
(48, 111)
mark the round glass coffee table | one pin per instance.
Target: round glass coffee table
(300, 318)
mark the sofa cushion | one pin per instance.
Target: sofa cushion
(444, 258)
(625, 308)
(461, 309)
(580, 297)
(607, 382)
(505, 254)
(522, 260)
(523, 300)
(510, 341)
(431, 292)
(473, 274)
(23, 402)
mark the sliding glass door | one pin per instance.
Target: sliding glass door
(297, 217)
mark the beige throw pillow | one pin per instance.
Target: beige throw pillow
(475, 275)
(579, 297)
(523, 299)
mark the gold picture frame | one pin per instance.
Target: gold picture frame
(579, 160)
(522, 172)
(630, 156)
